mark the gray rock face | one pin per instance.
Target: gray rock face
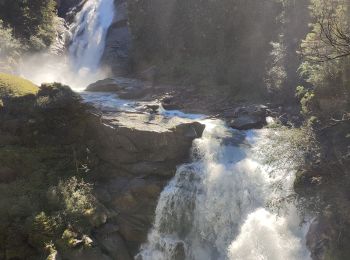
(129, 138)
(320, 236)
(118, 41)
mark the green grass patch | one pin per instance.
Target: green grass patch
(15, 86)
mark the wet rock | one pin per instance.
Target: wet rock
(247, 117)
(105, 85)
(246, 122)
(168, 102)
(126, 88)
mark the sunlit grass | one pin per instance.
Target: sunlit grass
(15, 86)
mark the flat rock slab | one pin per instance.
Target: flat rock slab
(127, 138)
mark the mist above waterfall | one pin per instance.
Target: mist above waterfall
(80, 64)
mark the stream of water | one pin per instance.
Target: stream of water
(217, 207)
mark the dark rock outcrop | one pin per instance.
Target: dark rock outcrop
(126, 88)
(118, 41)
(246, 117)
(128, 138)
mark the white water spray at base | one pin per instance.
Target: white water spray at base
(216, 207)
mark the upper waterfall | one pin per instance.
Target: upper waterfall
(89, 34)
(80, 65)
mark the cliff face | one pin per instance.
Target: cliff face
(118, 42)
(92, 178)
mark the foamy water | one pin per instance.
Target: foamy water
(216, 207)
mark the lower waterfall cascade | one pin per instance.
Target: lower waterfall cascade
(217, 207)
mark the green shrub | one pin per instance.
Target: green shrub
(77, 196)
(44, 229)
(308, 103)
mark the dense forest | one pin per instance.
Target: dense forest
(280, 52)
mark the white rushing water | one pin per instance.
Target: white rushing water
(216, 207)
(80, 66)
(89, 34)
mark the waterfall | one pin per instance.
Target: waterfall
(80, 65)
(89, 35)
(229, 202)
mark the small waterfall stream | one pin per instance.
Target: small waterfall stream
(216, 207)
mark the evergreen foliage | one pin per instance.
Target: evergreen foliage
(32, 21)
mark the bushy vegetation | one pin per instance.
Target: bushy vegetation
(43, 193)
(32, 21)
(326, 59)
(324, 180)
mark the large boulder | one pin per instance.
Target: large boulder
(126, 88)
(247, 117)
(128, 138)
